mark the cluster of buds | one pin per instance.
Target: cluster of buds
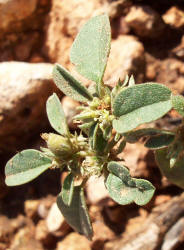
(74, 153)
(97, 111)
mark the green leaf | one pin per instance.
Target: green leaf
(91, 48)
(97, 140)
(67, 189)
(144, 191)
(138, 191)
(121, 146)
(25, 166)
(76, 213)
(178, 104)
(140, 104)
(56, 115)
(175, 174)
(119, 190)
(69, 85)
(124, 189)
(159, 141)
(119, 170)
(134, 136)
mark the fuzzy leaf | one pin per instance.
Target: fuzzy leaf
(119, 170)
(178, 104)
(139, 191)
(144, 191)
(140, 104)
(134, 136)
(159, 141)
(67, 189)
(119, 191)
(69, 85)
(26, 166)
(91, 48)
(76, 213)
(56, 115)
(124, 189)
(174, 174)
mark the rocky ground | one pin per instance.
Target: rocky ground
(147, 41)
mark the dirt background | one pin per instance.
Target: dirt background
(147, 41)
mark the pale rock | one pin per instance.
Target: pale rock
(134, 155)
(126, 57)
(42, 233)
(31, 207)
(25, 239)
(65, 20)
(96, 191)
(70, 109)
(24, 90)
(18, 222)
(179, 50)
(102, 234)
(174, 17)
(12, 11)
(174, 237)
(145, 21)
(45, 205)
(6, 228)
(74, 241)
(170, 72)
(55, 221)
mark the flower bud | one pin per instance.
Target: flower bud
(58, 145)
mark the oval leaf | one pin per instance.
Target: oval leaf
(124, 189)
(76, 213)
(67, 189)
(160, 141)
(144, 191)
(119, 170)
(175, 174)
(69, 85)
(56, 115)
(91, 48)
(134, 136)
(140, 104)
(178, 104)
(25, 166)
(118, 190)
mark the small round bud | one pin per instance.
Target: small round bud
(58, 145)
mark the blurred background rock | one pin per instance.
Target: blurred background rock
(147, 41)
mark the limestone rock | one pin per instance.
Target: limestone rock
(145, 21)
(24, 89)
(45, 205)
(171, 73)
(96, 191)
(25, 239)
(126, 57)
(70, 109)
(174, 17)
(6, 229)
(74, 241)
(42, 233)
(102, 234)
(55, 221)
(179, 50)
(12, 11)
(31, 207)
